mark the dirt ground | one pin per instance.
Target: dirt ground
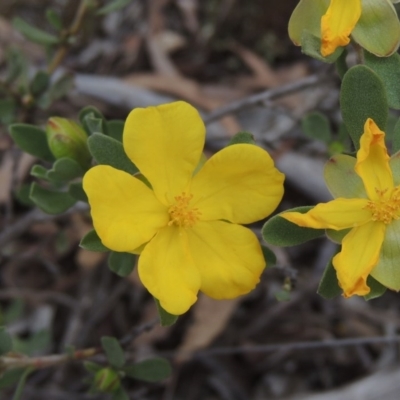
(282, 341)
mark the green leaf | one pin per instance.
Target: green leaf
(316, 126)
(280, 232)
(115, 129)
(242, 137)
(377, 289)
(8, 108)
(121, 264)
(17, 65)
(269, 256)
(38, 171)
(114, 352)
(92, 367)
(378, 29)
(92, 242)
(35, 343)
(388, 69)
(10, 377)
(34, 34)
(166, 319)
(58, 89)
(152, 370)
(329, 286)
(49, 201)
(22, 195)
(21, 384)
(337, 236)
(311, 45)
(119, 394)
(93, 125)
(54, 19)
(5, 341)
(112, 6)
(108, 151)
(341, 178)
(341, 64)
(40, 83)
(32, 140)
(396, 137)
(89, 113)
(65, 169)
(75, 189)
(362, 96)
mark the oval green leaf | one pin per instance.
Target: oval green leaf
(279, 231)
(92, 242)
(32, 140)
(388, 69)
(121, 264)
(329, 285)
(152, 370)
(362, 96)
(50, 201)
(108, 151)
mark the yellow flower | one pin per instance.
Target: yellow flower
(369, 205)
(337, 24)
(373, 24)
(187, 223)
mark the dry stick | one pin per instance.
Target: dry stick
(73, 30)
(262, 97)
(33, 216)
(7, 362)
(317, 344)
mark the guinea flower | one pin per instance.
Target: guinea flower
(373, 24)
(368, 206)
(187, 225)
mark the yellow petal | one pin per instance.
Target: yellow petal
(359, 255)
(165, 143)
(228, 256)
(239, 184)
(337, 24)
(125, 212)
(387, 270)
(373, 162)
(337, 214)
(166, 268)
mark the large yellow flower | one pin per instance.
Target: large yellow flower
(369, 205)
(373, 24)
(188, 222)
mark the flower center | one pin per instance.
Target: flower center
(181, 214)
(385, 210)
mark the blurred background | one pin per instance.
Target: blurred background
(282, 341)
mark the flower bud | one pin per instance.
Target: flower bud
(68, 139)
(107, 380)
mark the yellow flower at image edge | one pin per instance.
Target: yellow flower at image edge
(373, 24)
(372, 246)
(337, 24)
(188, 223)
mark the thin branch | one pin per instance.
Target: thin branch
(73, 30)
(8, 362)
(267, 95)
(35, 215)
(320, 344)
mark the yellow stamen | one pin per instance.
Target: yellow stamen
(181, 214)
(386, 209)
